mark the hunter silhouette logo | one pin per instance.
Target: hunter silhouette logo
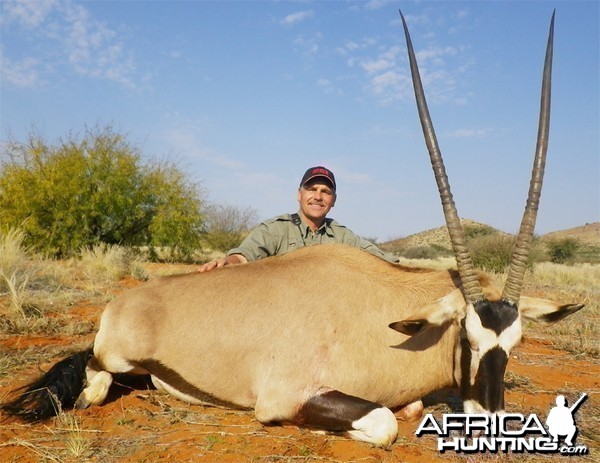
(509, 432)
(560, 420)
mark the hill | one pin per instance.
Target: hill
(588, 234)
(436, 236)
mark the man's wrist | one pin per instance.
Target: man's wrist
(235, 259)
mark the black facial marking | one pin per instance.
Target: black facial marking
(465, 363)
(488, 387)
(496, 315)
(334, 411)
(489, 382)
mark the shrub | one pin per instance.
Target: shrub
(227, 225)
(491, 252)
(564, 250)
(476, 231)
(424, 252)
(80, 193)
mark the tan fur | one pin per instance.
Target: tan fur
(269, 334)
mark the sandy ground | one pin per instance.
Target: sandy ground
(139, 424)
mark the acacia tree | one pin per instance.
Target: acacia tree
(97, 189)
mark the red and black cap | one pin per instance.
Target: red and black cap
(318, 171)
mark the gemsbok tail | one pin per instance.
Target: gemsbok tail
(56, 390)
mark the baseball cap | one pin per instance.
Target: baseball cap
(318, 171)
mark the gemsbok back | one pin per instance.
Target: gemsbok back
(247, 336)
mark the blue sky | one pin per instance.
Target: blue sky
(246, 95)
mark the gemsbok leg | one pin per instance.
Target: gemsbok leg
(333, 411)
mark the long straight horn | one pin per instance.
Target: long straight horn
(518, 264)
(471, 286)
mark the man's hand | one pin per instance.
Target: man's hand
(217, 263)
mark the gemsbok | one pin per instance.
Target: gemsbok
(311, 338)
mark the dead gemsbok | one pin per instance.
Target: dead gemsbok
(248, 336)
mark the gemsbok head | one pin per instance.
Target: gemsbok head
(490, 328)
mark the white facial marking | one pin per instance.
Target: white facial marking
(484, 339)
(511, 336)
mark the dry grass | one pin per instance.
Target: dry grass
(441, 263)
(14, 275)
(104, 264)
(51, 289)
(32, 287)
(579, 334)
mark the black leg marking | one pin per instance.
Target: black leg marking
(334, 411)
(360, 419)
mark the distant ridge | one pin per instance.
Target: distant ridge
(588, 234)
(434, 237)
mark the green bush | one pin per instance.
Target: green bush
(84, 192)
(425, 252)
(477, 231)
(491, 252)
(564, 250)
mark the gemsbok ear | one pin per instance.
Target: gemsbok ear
(409, 327)
(545, 311)
(448, 308)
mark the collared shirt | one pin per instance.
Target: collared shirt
(281, 235)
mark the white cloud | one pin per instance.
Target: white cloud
(388, 76)
(470, 133)
(373, 66)
(24, 73)
(308, 44)
(376, 4)
(27, 13)
(69, 35)
(297, 17)
(390, 86)
(328, 87)
(434, 53)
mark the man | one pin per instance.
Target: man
(288, 232)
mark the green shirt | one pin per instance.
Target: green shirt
(280, 235)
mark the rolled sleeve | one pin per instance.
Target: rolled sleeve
(263, 241)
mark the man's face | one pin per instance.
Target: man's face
(316, 199)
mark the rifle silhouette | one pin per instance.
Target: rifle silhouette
(576, 405)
